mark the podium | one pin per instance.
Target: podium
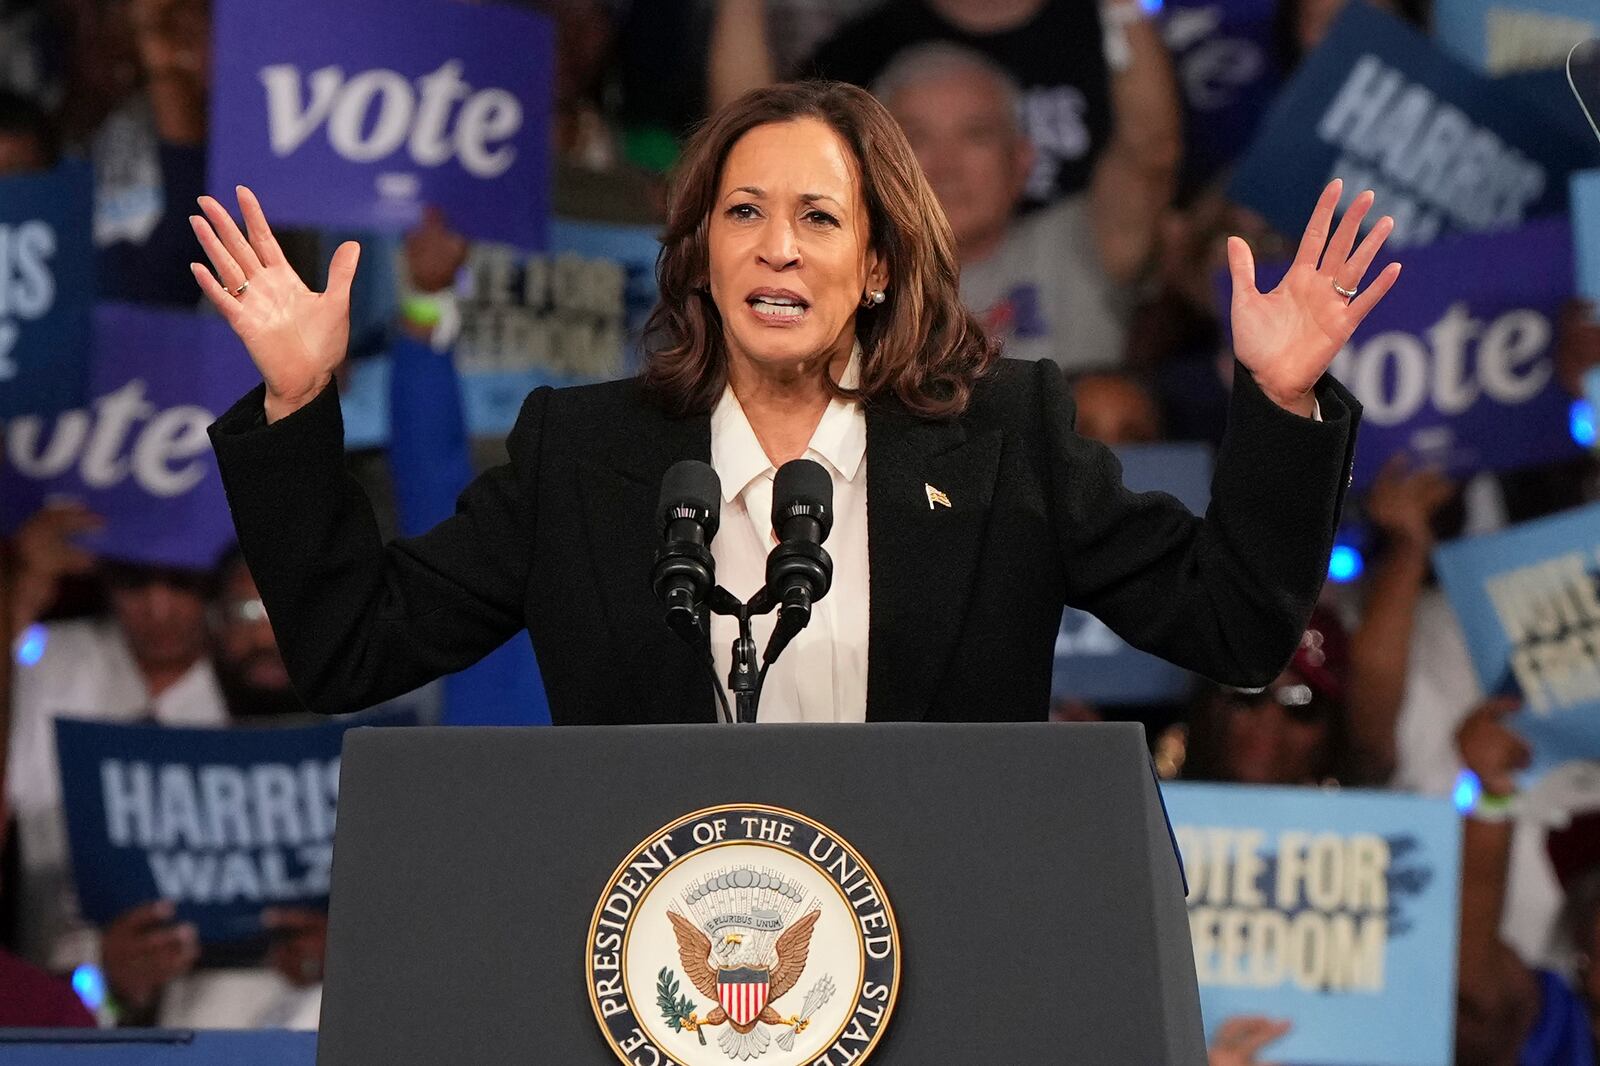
(1034, 901)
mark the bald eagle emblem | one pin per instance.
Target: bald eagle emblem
(743, 938)
(746, 935)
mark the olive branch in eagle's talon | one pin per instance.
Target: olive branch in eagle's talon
(678, 1011)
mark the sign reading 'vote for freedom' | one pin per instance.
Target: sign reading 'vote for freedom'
(46, 288)
(336, 125)
(1529, 603)
(1335, 911)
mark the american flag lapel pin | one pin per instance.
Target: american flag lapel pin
(936, 497)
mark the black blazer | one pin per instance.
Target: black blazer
(965, 601)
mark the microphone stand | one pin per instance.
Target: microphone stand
(744, 679)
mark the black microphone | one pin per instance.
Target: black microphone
(684, 572)
(799, 571)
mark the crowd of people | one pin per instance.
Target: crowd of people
(1053, 133)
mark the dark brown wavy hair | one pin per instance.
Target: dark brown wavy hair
(921, 345)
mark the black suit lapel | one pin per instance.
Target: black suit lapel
(922, 554)
(620, 491)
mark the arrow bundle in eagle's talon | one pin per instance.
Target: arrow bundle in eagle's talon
(819, 995)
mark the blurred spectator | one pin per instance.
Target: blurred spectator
(250, 671)
(1403, 505)
(1054, 48)
(1293, 732)
(37, 1000)
(1577, 344)
(1054, 283)
(1240, 1039)
(1300, 25)
(1115, 409)
(27, 136)
(144, 115)
(236, 988)
(145, 662)
(1094, 80)
(149, 661)
(1509, 1012)
(1176, 334)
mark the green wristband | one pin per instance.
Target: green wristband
(421, 311)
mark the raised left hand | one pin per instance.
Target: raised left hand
(1286, 338)
(300, 943)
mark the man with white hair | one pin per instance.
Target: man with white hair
(1052, 283)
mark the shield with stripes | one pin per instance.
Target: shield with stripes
(743, 993)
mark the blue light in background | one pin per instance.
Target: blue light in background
(1580, 420)
(90, 984)
(1467, 791)
(1151, 7)
(1345, 564)
(30, 649)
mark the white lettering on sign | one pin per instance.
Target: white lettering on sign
(124, 436)
(1451, 366)
(371, 114)
(1419, 147)
(27, 285)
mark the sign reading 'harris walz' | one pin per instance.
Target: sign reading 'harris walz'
(743, 933)
(221, 822)
(1446, 149)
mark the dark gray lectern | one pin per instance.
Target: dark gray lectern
(1038, 898)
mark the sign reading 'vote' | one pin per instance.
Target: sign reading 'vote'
(137, 453)
(335, 125)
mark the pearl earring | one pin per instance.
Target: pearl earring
(873, 298)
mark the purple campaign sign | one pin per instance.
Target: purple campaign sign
(356, 113)
(1456, 364)
(138, 455)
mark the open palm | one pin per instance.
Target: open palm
(296, 337)
(1287, 337)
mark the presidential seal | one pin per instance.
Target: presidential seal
(743, 933)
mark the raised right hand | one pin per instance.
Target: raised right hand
(141, 952)
(1490, 748)
(296, 337)
(1404, 500)
(1240, 1039)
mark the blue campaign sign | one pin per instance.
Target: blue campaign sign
(1586, 232)
(337, 124)
(1528, 599)
(1496, 36)
(46, 289)
(1457, 366)
(568, 316)
(1092, 663)
(137, 454)
(1335, 910)
(222, 822)
(1228, 72)
(1446, 148)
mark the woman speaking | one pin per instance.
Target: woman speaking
(809, 308)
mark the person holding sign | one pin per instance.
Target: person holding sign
(809, 307)
(1509, 1013)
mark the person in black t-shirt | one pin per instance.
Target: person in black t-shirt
(1053, 48)
(1096, 81)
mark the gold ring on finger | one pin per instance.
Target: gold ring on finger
(240, 290)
